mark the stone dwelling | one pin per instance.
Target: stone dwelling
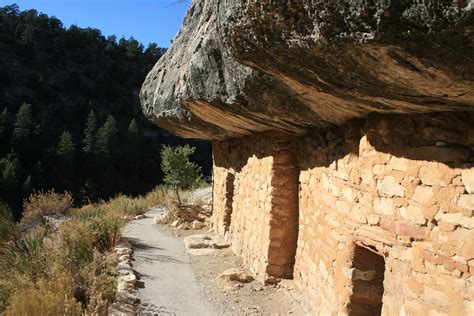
(343, 136)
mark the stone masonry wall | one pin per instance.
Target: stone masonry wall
(402, 187)
(385, 212)
(263, 230)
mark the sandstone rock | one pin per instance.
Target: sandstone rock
(390, 187)
(185, 226)
(120, 309)
(141, 216)
(235, 274)
(413, 213)
(467, 175)
(127, 298)
(198, 225)
(423, 194)
(205, 241)
(336, 60)
(435, 173)
(466, 201)
(176, 223)
(202, 251)
(384, 206)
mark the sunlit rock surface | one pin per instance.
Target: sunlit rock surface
(238, 67)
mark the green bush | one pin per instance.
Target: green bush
(180, 172)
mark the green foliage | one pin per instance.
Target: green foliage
(7, 224)
(65, 147)
(90, 134)
(23, 125)
(76, 80)
(4, 122)
(180, 172)
(106, 137)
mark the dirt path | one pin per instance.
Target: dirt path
(168, 283)
(174, 282)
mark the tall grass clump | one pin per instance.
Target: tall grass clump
(46, 203)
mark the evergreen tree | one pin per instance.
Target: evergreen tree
(88, 191)
(27, 186)
(23, 125)
(4, 120)
(65, 147)
(106, 137)
(90, 134)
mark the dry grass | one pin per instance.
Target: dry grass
(46, 203)
(54, 296)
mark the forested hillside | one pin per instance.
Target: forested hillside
(70, 117)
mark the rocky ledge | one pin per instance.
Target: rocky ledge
(238, 67)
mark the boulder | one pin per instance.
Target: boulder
(237, 67)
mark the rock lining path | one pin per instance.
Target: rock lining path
(167, 282)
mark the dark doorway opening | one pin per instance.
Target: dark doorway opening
(367, 281)
(229, 198)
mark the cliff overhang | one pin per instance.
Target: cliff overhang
(240, 67)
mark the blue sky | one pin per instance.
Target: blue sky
(146, 20)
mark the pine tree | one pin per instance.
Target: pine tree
(133, 138)
(23, 124)
(90, 134)
(65, 147)
(106, 136)
(27, 185)
(4, 118)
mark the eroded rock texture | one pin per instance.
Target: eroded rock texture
(238, 67)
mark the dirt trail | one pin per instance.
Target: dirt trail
(173, 282)
(167, 282)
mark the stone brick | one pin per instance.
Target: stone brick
(396, 163)
(413, 213)
(403, 229)
(423, 194)
(384, 206)
(466, 201)
(435, 173)
(389, 186)
(467, 175)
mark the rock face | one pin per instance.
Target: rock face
(238, 67)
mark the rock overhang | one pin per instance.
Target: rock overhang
(240, 67)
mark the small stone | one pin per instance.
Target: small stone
(198, 225)
(176, 223)
(236, 275)
(141, 216)
(435, 173)
(185, 226)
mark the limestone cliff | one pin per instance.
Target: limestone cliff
(238, 67)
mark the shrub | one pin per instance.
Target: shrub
(155, 197)
(25, 255)
(7, 224)
(53, 296)
(99, 280)
(180, 172)
(46, 203)
(126, 206)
